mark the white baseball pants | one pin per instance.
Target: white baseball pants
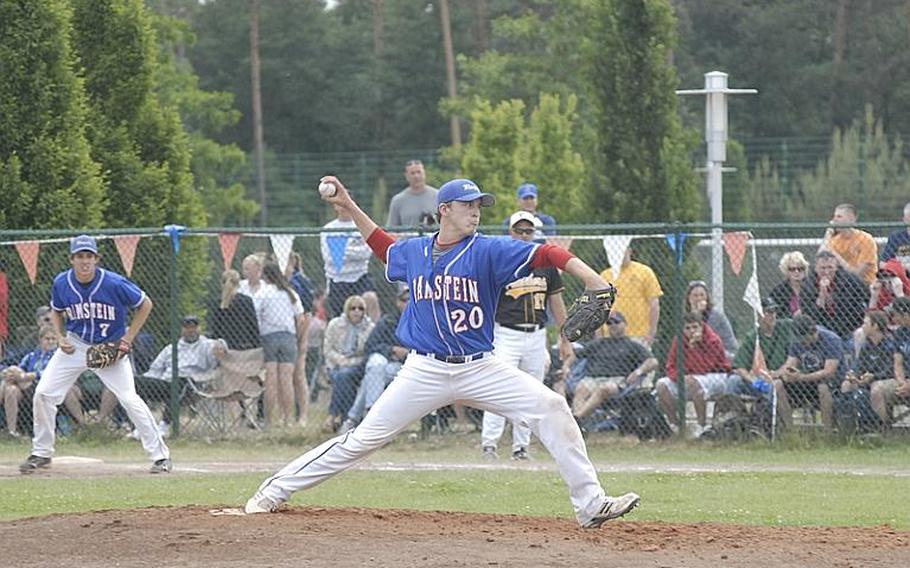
(58, 377)
(528, 352)
(425, 384)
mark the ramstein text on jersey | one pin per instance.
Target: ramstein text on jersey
(448, 287)
(91, 310)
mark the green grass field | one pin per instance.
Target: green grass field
(788, 485)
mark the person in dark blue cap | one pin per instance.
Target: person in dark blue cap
(527, 201)
(455, 278)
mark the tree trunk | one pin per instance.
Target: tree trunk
(450, 66)
(258, 139)
(481, 14)
(840, 46)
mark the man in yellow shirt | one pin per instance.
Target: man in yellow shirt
(638, 298)
(855, 250)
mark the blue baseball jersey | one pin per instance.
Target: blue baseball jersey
(454, 300)
(96, 311)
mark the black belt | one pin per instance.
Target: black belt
(457, 359)
(519, 327)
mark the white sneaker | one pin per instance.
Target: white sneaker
(259, 503)
(613, 508)
(699, 431)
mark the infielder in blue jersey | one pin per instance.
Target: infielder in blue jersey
(456, 277)
(89, 306)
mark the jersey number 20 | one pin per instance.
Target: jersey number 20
(463, 320)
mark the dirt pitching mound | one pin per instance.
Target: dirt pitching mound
(310, 536)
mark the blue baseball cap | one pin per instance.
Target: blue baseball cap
(463, 190)
(83, 242)
(527, 190)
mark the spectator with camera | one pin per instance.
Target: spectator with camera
(707, 371)
(812, 372)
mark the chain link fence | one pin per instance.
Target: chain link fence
(267, 346)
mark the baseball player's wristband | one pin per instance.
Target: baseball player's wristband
(551, 255)
(380, 241)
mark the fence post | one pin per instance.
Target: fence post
(174, 406)
(680, 338)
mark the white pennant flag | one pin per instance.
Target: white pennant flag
(281, 246)
(616, 246)
(752, 295)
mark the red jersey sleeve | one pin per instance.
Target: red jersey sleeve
(551, 255)
(380, 241)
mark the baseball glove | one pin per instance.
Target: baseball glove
(101, 355)
(588, 313)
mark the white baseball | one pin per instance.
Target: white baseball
(327, 189)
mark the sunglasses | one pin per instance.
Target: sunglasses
(797, 269)
(523, 231)
(356, 309)
(612, 321)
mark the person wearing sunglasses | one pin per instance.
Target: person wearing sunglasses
(520, 334)
(344, 348)
(788, 295)
(456, 277)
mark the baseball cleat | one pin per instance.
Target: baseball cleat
(33, 463)
(489, 453)
(259, 503)
(613, 508)
(162, 466)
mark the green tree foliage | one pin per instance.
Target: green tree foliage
(47, 176)
(645, 174)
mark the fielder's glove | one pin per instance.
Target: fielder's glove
(588, 313)
(103, 355)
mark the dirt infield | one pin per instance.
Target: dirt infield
(308, 536)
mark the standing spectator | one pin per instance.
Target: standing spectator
(305, 290)
(527, 201)
(774, 333)
(344, 352)
(899, 241)
(90, 306)
(835, 298)
(613, 363)
(707, 369)
(18, 382)
(281, 321)
(520, 333)
(789, 294)
(638, 298)
(855, 250)
(233, 318)
(385, 355)
(812, 372)
(412, 205)
(347, 257)
(887, 393)
(698, 300)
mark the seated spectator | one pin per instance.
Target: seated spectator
(26, 338)
(233, 318)
(197, 357)
(889, 392)
(789, 294)
(707, 371)
(875, 362)
(18, 382)
(344, 351)
(854, 250)
(813, 370)
(774, 334)
(385, 356)
(899, 241)
(835, 298)
(613, 363)
(698, 300)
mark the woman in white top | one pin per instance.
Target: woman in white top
(281, 320)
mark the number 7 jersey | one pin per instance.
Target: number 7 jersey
(454, 299)
(96, 312)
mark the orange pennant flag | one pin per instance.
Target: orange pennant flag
(228, 242)
(28, 252)
(126, 246)
(564, 242)
(735, 245)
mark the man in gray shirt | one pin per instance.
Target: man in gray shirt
(411, 205)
